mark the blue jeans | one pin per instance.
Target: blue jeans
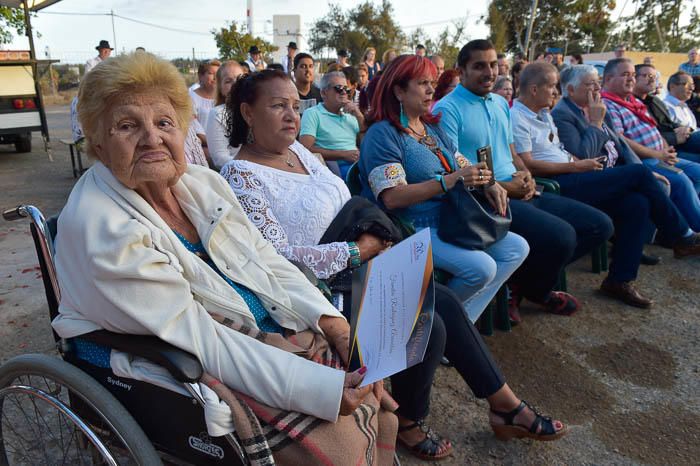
(477, 275)
(559, 230)
(690, 149)
(631, 196)
(684, 189)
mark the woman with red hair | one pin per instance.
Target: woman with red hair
(407, 166)
(448, 80)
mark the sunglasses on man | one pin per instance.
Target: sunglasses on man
(340, 89)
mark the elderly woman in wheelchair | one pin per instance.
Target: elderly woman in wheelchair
(148, 245)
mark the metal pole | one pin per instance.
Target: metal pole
(530, 25)
(249, 14)
(35, 74)
(28, 31)
(114, 32)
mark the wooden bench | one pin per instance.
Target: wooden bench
(75, 153)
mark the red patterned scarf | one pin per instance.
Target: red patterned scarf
(634, 105)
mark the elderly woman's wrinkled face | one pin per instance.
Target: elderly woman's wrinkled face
(274, 117)
(140, 142)
(506, 90)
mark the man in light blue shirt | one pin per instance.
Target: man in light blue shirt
(331, 127)
(559, 230)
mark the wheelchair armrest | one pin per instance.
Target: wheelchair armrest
(184, 367)
(550, 186)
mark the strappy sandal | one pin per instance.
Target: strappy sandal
(427, 449)
(510, 430)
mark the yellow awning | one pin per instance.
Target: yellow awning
(34, 5)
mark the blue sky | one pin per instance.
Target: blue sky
(72, 38)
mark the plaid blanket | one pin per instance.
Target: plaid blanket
(274, 436)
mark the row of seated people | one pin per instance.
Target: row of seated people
(149, 244)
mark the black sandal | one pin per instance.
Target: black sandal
(510, 430)
(427, 449)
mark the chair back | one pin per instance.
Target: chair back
(352, 179)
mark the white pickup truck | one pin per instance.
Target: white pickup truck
(21, 110)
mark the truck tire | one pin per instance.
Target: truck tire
(24, 144)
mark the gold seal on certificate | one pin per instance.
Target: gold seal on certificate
(393, 300)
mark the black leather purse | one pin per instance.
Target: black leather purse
(468, 220)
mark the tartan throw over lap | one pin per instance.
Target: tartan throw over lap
(273, 436)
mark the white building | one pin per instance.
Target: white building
(285, 29)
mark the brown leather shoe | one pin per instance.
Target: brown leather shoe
(625, 292)
(687, 247)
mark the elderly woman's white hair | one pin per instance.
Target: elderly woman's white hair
(574, 75)
(501, 81)
(326, 80)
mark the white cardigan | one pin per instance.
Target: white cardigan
(121, 268)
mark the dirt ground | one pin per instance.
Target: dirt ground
(625, 380)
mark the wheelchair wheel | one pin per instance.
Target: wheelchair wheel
(52, 413)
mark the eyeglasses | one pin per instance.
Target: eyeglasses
(340, 89)
(648, 76)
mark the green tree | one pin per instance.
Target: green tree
(446, 44)
(498, 28)
(656, 27)
(575, 25)
(366, 25)
(233, 44)
(11, 22)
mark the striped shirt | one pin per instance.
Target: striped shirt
(628, 124)
(693, 70)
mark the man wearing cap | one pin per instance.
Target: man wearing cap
(103, 53)
(255, 61)
(288, 60)
(342, 59)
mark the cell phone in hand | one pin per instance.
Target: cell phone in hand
(484, 154)
(603, 160)
(539, 189)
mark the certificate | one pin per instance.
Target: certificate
(393, 300)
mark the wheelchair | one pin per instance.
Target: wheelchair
(69, 411)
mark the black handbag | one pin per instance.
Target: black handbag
(468, 220)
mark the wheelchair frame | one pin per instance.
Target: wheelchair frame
(181, 365)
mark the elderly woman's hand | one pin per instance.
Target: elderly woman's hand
(353, 395)
(337, 332)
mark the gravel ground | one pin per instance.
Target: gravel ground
(625, 380)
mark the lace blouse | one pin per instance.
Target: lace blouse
(293, 211)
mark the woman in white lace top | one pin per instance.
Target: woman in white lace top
(293, 210)
(288, 194)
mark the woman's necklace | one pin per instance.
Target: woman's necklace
(289, 161)
(424, 138)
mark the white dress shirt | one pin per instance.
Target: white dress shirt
(91, 63)
(680, 112)
(536, 133)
